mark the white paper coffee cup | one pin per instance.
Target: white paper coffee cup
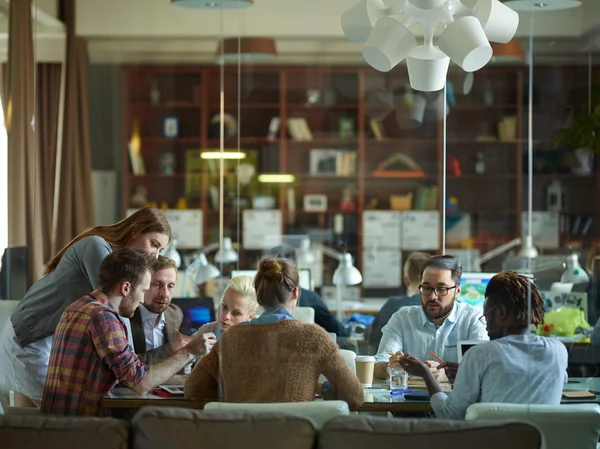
(365, 365)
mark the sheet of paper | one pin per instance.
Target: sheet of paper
(186, 226)
(545, 228)
(382, 267)
(382, 228)
(262, 229)
(420, 230)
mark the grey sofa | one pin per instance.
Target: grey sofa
(179, 428)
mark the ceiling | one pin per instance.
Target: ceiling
(307, 31)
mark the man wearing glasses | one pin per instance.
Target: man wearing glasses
(515, 367)
(437, 324)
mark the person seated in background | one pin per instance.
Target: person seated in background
(413, 267)
(155, 323)
(273, 358)
(90, 351)
(515, 367)
(238, 304)
(434, 326)
(310, 298)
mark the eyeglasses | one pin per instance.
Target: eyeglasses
(439, 291)
(483, 318)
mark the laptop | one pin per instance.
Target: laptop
(464, 345)
(196, 312)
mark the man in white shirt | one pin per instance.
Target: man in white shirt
(434, 326)
(155, 323)
(515, 367)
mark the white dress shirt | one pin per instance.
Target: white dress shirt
(409, 330)
(517, 369)
(153, 330)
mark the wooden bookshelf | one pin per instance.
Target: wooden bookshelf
(338, 115)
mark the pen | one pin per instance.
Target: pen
(397, 392)
(439, 359)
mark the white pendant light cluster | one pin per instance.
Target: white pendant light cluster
(389, 35)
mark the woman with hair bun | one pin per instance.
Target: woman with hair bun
(273, 358)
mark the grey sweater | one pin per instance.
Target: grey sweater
(76, 275)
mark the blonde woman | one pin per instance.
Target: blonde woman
(26, 340)
(237, 305)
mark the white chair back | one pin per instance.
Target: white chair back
(302, 314)
(319, 413)
(574, 426)
(350, 358)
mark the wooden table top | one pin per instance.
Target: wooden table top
(377, 399)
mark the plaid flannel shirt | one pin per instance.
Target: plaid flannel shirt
(90, 355)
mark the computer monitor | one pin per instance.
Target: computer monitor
(305, 280)
(473, 285)
(472, 288)
(196, 312)
(463, 346)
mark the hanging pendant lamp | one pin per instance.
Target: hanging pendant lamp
(542, 5)
(250, 49)
(213, 4)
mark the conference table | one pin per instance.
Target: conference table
(377, 399)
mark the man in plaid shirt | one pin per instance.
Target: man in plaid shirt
(90, 351)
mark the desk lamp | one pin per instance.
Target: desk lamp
(345, 274)
(204, 271)
(304, 255)
(170, 252)
(573, 272)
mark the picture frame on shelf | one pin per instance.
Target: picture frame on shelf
(323, 162)
(315, 203)
(171, 127)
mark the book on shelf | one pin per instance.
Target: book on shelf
(135, 151)
(274, 125)
(426, 198)
(377, 129)
(299, 129)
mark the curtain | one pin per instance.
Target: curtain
(24, 187)
(48, 79)
(75, 209)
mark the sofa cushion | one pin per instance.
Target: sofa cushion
(362, 432)
(164, 427)
(45, 432)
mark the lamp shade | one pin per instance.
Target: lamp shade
(499, 22)
(528, 251)
(389, 43)
(171, 252)
(427, 69)
(359, 20)
(226, 253)
(206, 271)
(465, 42)
(248, 48)
(346, 273)
(545, 5)
(213, 4)
(304, 256)
(573, 272)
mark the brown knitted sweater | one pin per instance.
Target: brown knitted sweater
(277, 362)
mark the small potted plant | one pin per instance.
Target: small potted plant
(583, 137)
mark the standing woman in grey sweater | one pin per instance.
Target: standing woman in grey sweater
(26, 340)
